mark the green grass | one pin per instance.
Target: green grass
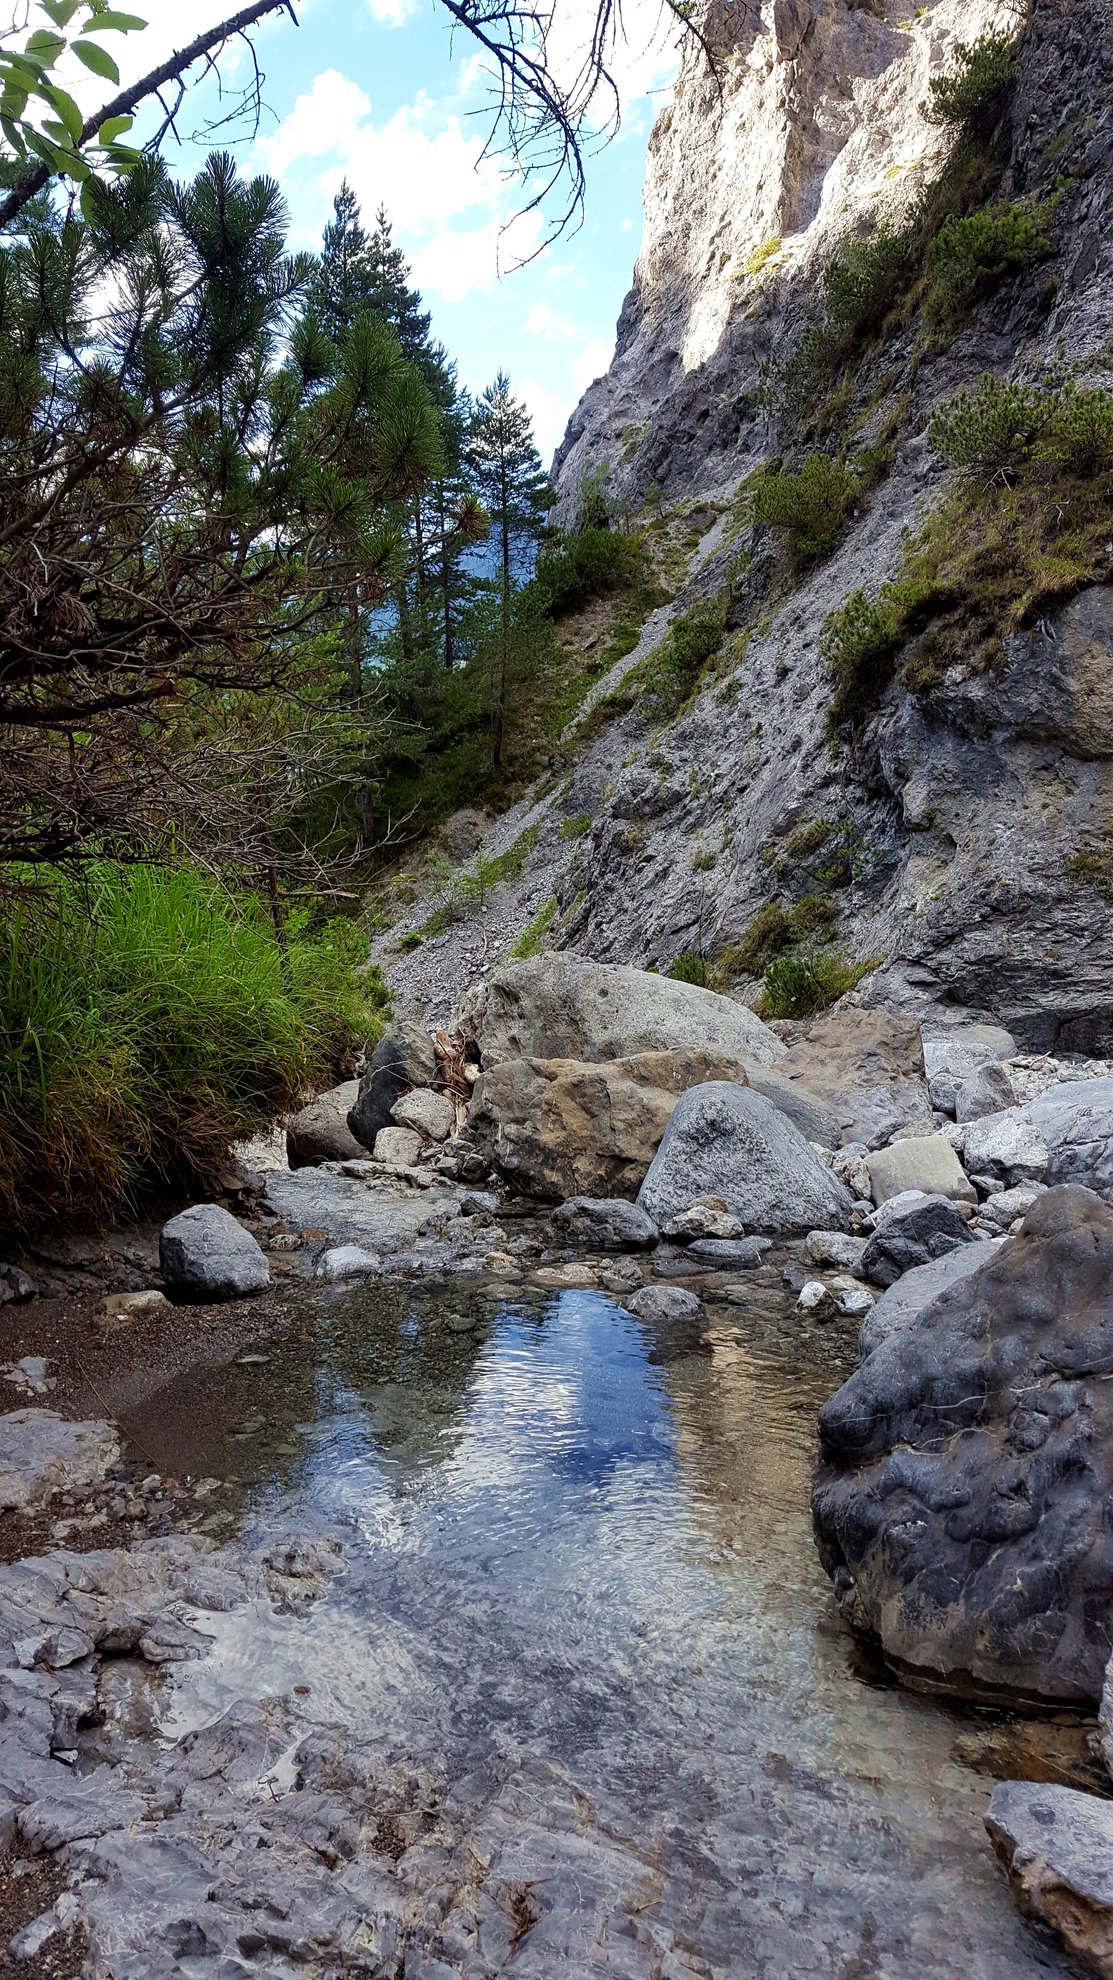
(799, 984)
(147, 1021)
(533, 939)
(689, 968)
(575, 828)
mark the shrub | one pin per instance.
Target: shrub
(532, 940)
(575, 828)
(800, 983)
(972, 254)
(147, 1021)
(465, 891)
(858, 644)
(674, 669)
(811, 506)
(971, 96)
(992, 434)
(688, 968)
(865, 279)
(572, 570)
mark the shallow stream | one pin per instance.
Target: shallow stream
(580, 1584)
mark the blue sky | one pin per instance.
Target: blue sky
(380, 91)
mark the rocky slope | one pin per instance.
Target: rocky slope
(959, 839)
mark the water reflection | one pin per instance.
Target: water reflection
(577, 1538)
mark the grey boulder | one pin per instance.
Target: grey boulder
(606, 1223)
(956, 1056)
(206, 1254)
(960, 1505)
(728, 1141)
(666, 1303)
(899, 1306)
(921, 1162)
(924, 1232)
(1056, 1845)
(320, 1131)
(430, 1114)
(403, 1058)
(1007, 1149)
(988, 1091)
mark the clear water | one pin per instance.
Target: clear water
(580, 1580)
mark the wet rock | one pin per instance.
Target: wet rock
(320, 1131)
(609, 1223)
(557, 1128)
(960, 1501)
(987, 1091)
(666, 1303)
(430, 1114)
(835, 1248)
(398, 1146)
(573, 1276)
(561, 1006)
(206, 1254)
(42, 1453)
(1057, 1847)
(725, 1140)
(403, 1058)
(925, 1231)
(347, 1261)
(708, 1217)
(922, 1162)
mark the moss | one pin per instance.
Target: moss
(759, 258)
(575, 828)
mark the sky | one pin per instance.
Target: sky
(384, 93)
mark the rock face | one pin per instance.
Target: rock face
(558, 1127)
(207, 1255)
(563, 1007)
(725, 1141)
(320, 1132)
(403, 1058)
(960, 1504)
(1057, 1847)
(42, 1453)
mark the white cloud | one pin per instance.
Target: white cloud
(392, 13)
(544, 321)
(455, 264)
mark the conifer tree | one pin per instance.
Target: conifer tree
(517, 495)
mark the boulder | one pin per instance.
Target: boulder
(427, 1113)
(1057, 1847)
(402, 1147)
(403, 1058)
(816, 1120)
(999, 1213)
(866, 1069)
(923, 1162)
(707, 1217)
(989, 1090)
(953, 1057)
(927, 1230)
(606, 1223)
(918, 1288)
(320, 1132)
(561, 1006)
(966, 1468)
(347, 1261)
(725, 1254)
(724, 1140)
(206, 1254)
(665, 1303)
(1076, 1121)
(835, 1248)
(1006, 1148)
(559, 1127)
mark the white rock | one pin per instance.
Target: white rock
(430, 1114)
(399, 1146)
(347, 1261)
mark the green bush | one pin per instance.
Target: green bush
(973, 254)
(971, 96)
(688, 968)
(865, 279)
(801, 983)
(674, 669)
(575, 828)
(1006, 428)
(811, 507)
(858, 644)
(147, 1021)
(533, 938)
(572, 570)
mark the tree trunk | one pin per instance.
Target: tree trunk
(499, 738)
(446, 582)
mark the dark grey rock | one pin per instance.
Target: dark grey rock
(724, 1254)
(479, 1203)
(15, 1285)
(917, 1236)
(989, 1090)
(206, 1254)
(728, 1141)
(909, 1296)
(608, 1223)
(1057, 1846)
(960, 1503)
(403, 1058)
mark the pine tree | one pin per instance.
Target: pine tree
(517, 495)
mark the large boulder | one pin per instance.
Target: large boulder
(1057, 1847)
(966, 1468)
(955, 1056)
(402, 1059)
(563, 1007)
(866, 1068)
(930, 1228)
(904, 1301)
(924, 1162)
(1064, 1135)
(206, 1254)
(557, 1127)
(605, 1223)
(320, 1132)
(726, 1141)
(1006, 1149)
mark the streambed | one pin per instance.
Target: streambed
(581, 1613)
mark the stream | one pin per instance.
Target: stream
(580, 1591)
